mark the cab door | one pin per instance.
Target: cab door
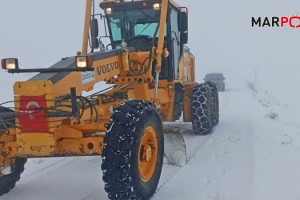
(174, 44)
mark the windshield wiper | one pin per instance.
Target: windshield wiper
(144, 29)
(148, 16)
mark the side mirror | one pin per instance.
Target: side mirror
(94, 28)
(183, 26)
(94, 34)
(183, 21)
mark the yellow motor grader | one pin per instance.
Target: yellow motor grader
(151, 74)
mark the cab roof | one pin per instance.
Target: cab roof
(108, 3)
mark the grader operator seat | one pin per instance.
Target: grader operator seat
(139, 28)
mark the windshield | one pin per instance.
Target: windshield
(130, 24)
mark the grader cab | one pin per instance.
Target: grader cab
(152, 74)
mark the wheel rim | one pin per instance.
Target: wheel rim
(148, 152)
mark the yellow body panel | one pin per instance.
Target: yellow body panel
(36, 144)
(7, 147)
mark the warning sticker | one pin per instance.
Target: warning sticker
(87, 77)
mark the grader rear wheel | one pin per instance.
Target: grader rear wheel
(202, 109)
(133, 151)
(215, 94)
(8, 180)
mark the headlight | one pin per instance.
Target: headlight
(84, 61)
(10, 63)
(108, 11)
(156, 6)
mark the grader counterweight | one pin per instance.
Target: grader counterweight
(152, 74)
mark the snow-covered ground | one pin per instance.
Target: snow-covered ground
(253, 154)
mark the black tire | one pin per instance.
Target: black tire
(201, 109)
(121, 151)
(214, 91)
(8, 182)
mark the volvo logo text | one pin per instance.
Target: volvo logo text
(107, 68)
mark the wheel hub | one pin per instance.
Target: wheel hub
(148, 153)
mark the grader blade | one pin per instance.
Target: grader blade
(175, 148)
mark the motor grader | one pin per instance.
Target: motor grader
(151, 77)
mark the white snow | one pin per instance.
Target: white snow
(254, 152)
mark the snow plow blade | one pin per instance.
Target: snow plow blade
(175, 148)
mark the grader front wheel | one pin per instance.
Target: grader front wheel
(133, 151)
